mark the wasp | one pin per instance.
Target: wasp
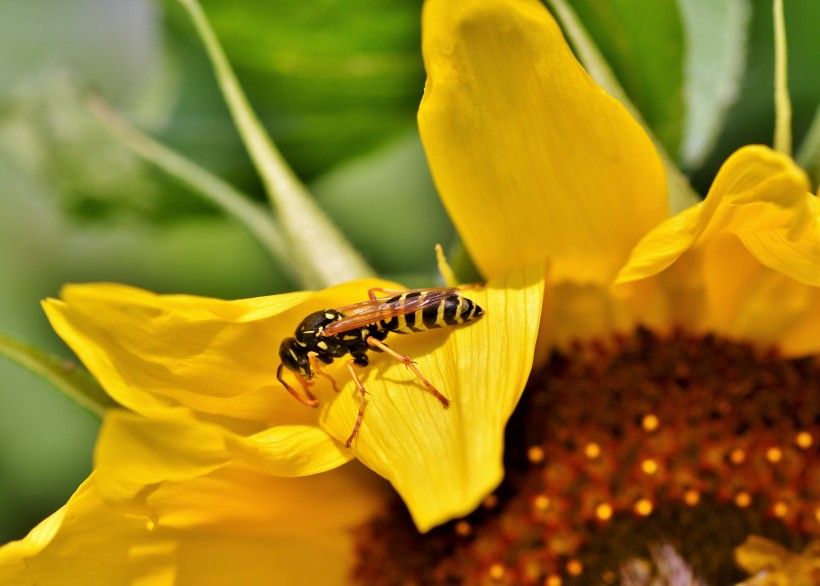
(357, 329)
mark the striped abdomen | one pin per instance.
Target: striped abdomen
(450, 311)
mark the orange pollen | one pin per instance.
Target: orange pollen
(737, 456)
(553, 581)
(649, 466)
(644, 507)
(780, 509)
(650, 423)
(743, 499)
(592, 450)
(463, 528)
(603, 512)
(691, 497)
(804, 440)
(575, 568)
(542, 502)
(490, 502)
(774, 455)
(497, 572)
(536, 454)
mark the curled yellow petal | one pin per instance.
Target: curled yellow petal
(531, 158)
(134, 452)
(756, 189)
(443, 462)
(746, 261)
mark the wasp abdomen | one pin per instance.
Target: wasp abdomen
(451, 311)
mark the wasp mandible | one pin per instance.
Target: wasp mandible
(356, 329)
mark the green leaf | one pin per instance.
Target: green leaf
(716, 35)
(643, 42)
(808, 156)
(387, 203)
(321, 255)
(74, 382)
(751, 119)
(330, 80)
(208, 186)
(681, 194)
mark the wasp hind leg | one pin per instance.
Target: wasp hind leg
(372, 292)
(308, 400)
(378, 344)
(350, 364)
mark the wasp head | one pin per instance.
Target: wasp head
(295, 357)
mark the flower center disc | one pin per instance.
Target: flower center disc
(637, 451)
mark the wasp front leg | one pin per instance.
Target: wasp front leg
(378, 344)
(313, 358)
(310, 400)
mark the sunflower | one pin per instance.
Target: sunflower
(676, 408)
(674, 399)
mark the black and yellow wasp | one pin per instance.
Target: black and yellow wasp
(356, 329)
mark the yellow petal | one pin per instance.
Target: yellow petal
(746, 262)
(531, 158)
(135, 452)
(756, 189)
(231, 527)
(443, 462)
(155, 353)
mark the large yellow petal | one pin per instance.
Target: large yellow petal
(233, 526)
(531, 158)
(157, 353)
(443, 462)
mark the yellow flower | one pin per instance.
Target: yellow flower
(534, 162)
(206, 412)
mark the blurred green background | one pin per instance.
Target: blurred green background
(337, 84)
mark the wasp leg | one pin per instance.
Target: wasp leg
(314, 366)
(363, 391)
(310, 401)
(372, 292)
(409, 364)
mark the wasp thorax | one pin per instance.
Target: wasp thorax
(314, 324)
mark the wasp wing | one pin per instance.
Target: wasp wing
(374, 310)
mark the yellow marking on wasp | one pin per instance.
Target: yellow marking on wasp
(459, 309)
(440, 314)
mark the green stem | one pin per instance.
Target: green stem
(321, 255)
(207, 185)
(74, 382)
(782, 103)
(681, 194)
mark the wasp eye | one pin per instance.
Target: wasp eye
(294, 357)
